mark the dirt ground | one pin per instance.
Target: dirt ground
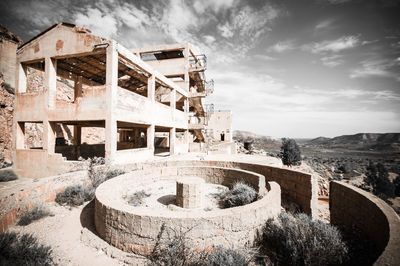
(64, 231)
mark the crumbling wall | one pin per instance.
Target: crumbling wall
(6, 121)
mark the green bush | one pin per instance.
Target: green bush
(299, 240)
(241, 194)
(23, 250)
(36, 213)
(290, 152)
(7, 175)
(75, 195)
(137, 198)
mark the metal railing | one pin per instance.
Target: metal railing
(198, 61)
(209, 86)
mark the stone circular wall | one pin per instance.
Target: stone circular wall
(136, 229)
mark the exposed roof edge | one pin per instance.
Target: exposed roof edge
(67, 24)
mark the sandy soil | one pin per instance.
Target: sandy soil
(62, 231)
(163, 194)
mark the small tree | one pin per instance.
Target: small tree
(377, 177)
(290, 152)
(396, 183)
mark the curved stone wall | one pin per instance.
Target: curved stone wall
(137, 229)
(351, 206)
(299, 187)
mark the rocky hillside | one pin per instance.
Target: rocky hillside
(361, 141)
(258, 141)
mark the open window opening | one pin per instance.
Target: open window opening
(131, 77)
(75, 139)
(131, 136)
(162, 141)
(163, 93)
(180, 102)
(33, 135)
(162, 55)
(35, 76)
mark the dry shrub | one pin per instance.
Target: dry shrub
(75, 195)
(241, 194)
(136, 199)
(36, 213)
(299, 240)
(7, 175)
(23, 250)
(174, 250)
(98, 172)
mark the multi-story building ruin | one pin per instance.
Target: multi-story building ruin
(125, 97)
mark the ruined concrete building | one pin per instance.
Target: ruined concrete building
(135, 101)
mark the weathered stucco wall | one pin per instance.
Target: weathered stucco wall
(136, 229)
(351, 206)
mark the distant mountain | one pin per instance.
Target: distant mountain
(361, 141)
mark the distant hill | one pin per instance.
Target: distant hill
(361, 141)
(259, 141)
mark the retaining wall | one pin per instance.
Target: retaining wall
(136, 229)
(21, 195)
(351, 206)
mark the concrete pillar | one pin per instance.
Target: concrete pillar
(21, 78)
(186, 105)
(172, 136)
(187, 140)
(150, 137)
(77, 140)
(111, 100)
(49, 136)
(78, 88)
(136, 137)
(151, 88)
(190, 192)
(50, 66)
(173, 102)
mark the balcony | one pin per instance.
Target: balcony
(198, 63)
(208, 89)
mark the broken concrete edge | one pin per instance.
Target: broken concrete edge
(351, 206)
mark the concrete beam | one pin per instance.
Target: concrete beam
(145, 67)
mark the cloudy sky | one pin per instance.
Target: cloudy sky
(286, 68)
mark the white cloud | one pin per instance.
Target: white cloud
(324, 24)
(281, 47)
(102, 24)
(377, 68)
(343, 43)
(203, 5)
(332, 61)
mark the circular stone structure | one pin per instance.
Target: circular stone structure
(190, 192)
(137, 229)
